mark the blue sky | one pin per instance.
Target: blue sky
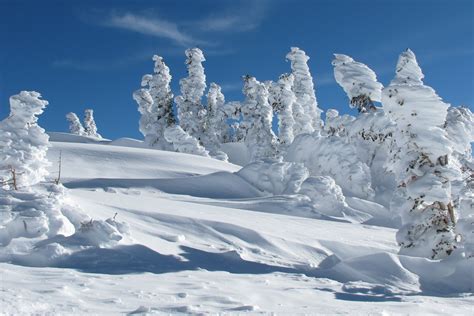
(82, 54)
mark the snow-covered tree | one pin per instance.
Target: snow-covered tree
(257, 117)
(216, 122)
(155, 104)
(421, 162)
(306, 113)
(75, 126)
(90, 127)
(460, 128)
(191, 113)
(358, 81)
(282, 99)
(336, 124)
(233, 111)
(183, 142)
(23, 144)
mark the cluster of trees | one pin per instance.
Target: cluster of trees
(88, 129)
(412, 153)
(204, 127)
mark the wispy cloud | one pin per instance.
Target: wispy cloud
(235, 19)
(150, 26)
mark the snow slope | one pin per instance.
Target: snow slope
(203, 240)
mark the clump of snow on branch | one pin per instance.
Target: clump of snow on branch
(358, 81)
(306, 113)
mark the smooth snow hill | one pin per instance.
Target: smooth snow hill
(203, 240)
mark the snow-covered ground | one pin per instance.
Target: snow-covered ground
(204, 240)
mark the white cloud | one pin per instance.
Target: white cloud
(151, 26)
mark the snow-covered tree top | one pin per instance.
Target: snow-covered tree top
(408, 71)
(417, 105)
(356, 78)
(193, 86)
(26, 106)
(297, 55)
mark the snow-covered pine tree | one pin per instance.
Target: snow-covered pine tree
(191, 113)
(155, 104)
(358, 81)
(233, 112)
(460, 128)
(23, 144)
(216, 126)
(257, 118)
(282, 98)
(90, 127)
(75, 126)
(421, 162)
(306, 113)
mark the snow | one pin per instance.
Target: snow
(175, 233)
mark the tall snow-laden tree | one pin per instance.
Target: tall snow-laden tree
(90, 127)
(460, 128)
(191, 113)
(75, 126)
(216, 127)
(282, 99)
(257, 118)
(23, 144)
(155, 104)
(306, 113)
(358, 81)
(421, 162)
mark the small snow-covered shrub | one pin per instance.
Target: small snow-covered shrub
(334, 157)
(183, 142)
(275, 176)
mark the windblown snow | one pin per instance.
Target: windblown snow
(170, 233)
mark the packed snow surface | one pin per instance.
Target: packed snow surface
(192, 235)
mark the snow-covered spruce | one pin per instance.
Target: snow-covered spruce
(183, 142)
(358, 81)
(155, 104)
(257, 118)
(191, 113)
(333, 156)
(282, 99)
(216, 122)
(306, 113)
(90, 127)
(75, 126)
(460, 128)
(23, 144)
(336, 124)
(421, 162)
